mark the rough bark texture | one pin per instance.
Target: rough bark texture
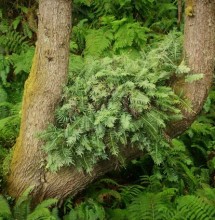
(199, 52)
(44, 86)
(42, 93)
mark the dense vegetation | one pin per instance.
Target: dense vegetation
(119, 51)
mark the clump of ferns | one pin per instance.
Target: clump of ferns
(114, 102)
(22, 209)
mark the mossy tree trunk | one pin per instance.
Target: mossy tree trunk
(199, 54)
(43, 92)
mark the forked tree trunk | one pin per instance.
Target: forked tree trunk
(43, 91)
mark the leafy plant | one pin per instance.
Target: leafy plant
(193, 207)
(104, 27)
(199, 138)
(120, 101)
(152, 206)
(16, 55)
(89, 210)
(145, 203)
(164, 205)
(22, 208)
(9, 123)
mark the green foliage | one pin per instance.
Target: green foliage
(117, 35)
(104, 27)
(109, 104)
(152, 206)
(148, 11)
(162, 203)
(13, 48)
(22, 62)
(5, 212)
(88, 210)
(9, 123)
(16, 55)
(193, 207)
(97, 41)
(114, 36)
(187, 168)
(22, 16)
(22, 209)
(12, 41)
(177, 170)
(115, 102)
(193, 77)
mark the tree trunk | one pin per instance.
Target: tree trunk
(199, 52)
(43, 91)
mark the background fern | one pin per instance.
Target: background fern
(126, 26)
(22, 208)
(88, 210)
(146, 203)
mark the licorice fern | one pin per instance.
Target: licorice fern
(112, 103)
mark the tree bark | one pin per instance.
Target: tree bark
(199, 52)
(43, 91)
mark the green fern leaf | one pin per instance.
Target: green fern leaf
(97, 41)
(192, 207)
(193, 77)
(5, 212)
(128, 37)
(42, 213)
(22, 206)
(46, 203)
(152, 206)
(125, 121)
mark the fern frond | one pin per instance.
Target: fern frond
(129, 193)
(41, 213)
(88, 210)
(46, 203)
(14, 42)
(129, 33)
(152, 206)
(5, 212)
(22, 62)
(116, 214)
(207, 194)
(22, 207)
(97, 41)
(3, 95)
(192, 207)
